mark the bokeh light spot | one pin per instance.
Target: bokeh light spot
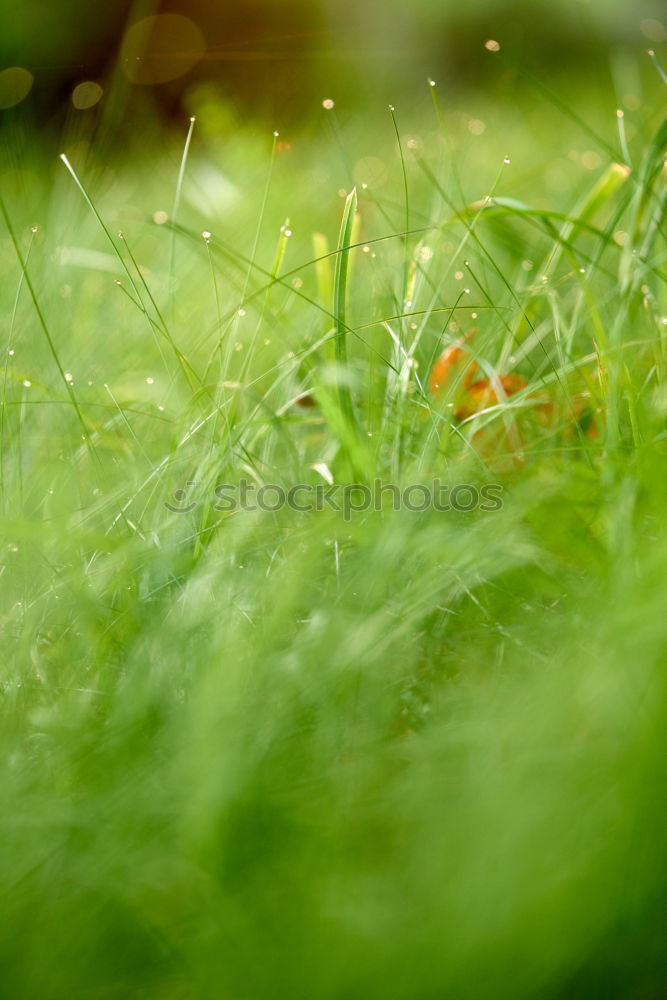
(86, 95)
(476, 126)
(591, 160)
(15, 85)
(652, 29)
(161, 48)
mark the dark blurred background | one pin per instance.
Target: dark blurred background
(289, 54)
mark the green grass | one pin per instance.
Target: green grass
(403, 755)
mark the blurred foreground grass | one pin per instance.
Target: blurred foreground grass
(286, 754)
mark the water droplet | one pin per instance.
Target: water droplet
(431, 82)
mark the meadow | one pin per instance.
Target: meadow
(367, 752)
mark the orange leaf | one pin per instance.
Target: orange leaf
(453, 360)
(481, 394)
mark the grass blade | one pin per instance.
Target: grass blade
(340, 299)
